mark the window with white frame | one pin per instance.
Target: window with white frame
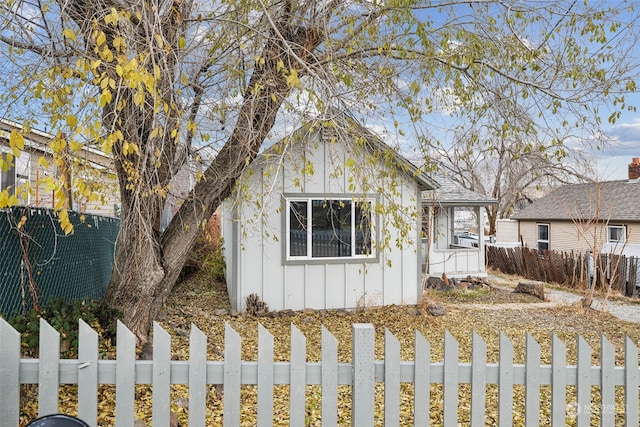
(14, 174)
(543, 237)
(329, 228)
(616, 233)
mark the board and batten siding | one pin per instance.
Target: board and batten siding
(255, 238)
(564, 235)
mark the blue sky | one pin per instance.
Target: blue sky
(613, 161)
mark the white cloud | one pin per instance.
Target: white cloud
(626, 138)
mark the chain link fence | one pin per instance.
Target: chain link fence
(38, 262)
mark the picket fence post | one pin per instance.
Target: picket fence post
(363, 375)
(9, 373)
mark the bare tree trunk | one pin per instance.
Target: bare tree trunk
(148, 263)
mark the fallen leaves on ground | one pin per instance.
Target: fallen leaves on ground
(195, 299)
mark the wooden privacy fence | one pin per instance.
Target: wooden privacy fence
(88, 371)
(572, 269)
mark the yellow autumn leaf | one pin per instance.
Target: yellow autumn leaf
(43, 162)
(101, 39)
(68, 33)
(72, 120)
(292, 79)
(138, 98)
(159, 40)
(75, 145)
(119, 44)
(4, 198)
(16, 142)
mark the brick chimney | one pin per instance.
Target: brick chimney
(634, 168)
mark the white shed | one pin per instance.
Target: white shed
(327, 218)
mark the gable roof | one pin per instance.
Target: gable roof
(341, 127)
(348, 125)
(451, 193)
(618, 201)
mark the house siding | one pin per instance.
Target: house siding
(259, 233)
(564, 235)
(101, 174)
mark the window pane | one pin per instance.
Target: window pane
(543, 232)
(331, 228)
(466, 227)
(543, 246)
(298, 229)
(616, 234)
(363, 228)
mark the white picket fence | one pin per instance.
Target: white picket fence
(88, 371)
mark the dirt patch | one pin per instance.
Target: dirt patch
(481, 296)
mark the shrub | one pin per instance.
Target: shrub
(63, 317)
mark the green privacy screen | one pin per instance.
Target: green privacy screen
(76, 266)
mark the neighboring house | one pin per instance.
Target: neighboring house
(327, 218)
(35, 163)
(455, 230)
(507, 232)
(568, 218)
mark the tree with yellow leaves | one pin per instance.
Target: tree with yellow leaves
(152, 83)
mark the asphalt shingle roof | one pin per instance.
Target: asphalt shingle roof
(618, 201)
(451, 193)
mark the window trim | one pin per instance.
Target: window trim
(623, 228)
(309, 198)
(539, 240)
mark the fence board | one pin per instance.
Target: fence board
(631, 383)
(87, 374)
(9, 373)
(265, 377)
(197, 376)
(391, 379)
(298, 374)
(48, 381)
(532, 382)
(478, 380)
(329, 379)
(607, 389)
(232, 371)
(558, 382)
(363, 388)
(422, 381)
(567, 268)
(450, 380)
(125, 376)
(161, 377)
(505, 393)
(583, 383)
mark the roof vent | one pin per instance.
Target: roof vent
(634, 169)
